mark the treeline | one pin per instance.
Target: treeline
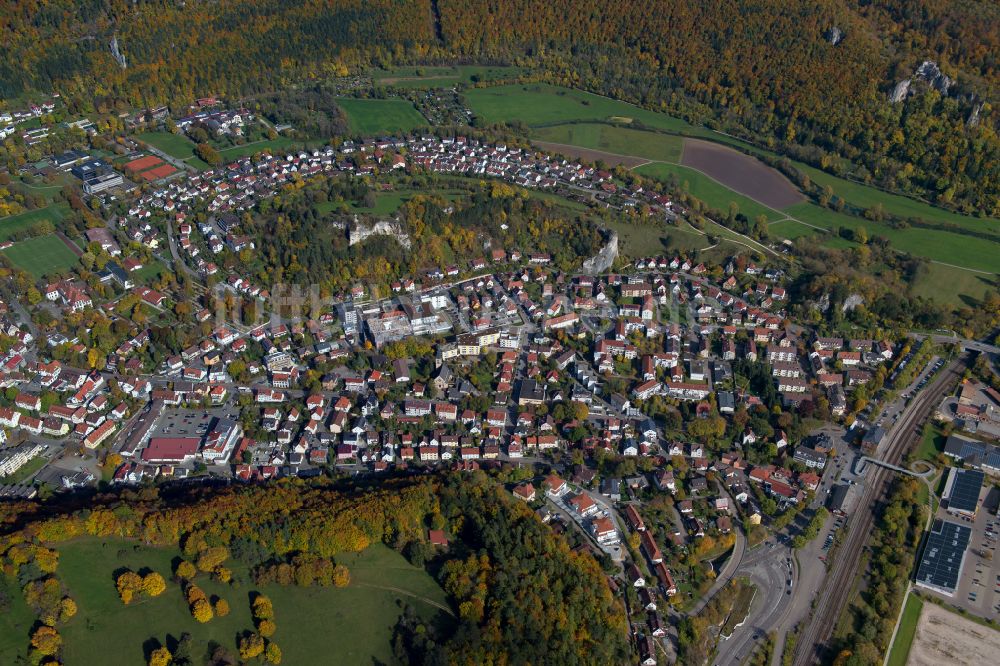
(884, 279)
(893, 544)
(520, 593)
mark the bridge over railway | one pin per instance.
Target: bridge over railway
(864, 461)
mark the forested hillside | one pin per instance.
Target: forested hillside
(769, 68)
(812, 79)
(176, 51)
(520, 594)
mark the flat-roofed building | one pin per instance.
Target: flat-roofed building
(943, 558)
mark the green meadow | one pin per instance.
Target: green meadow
(351, 625)
(371, 117)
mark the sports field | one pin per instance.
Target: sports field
(41, 256)
(175, 145)
(440, 77)
(22, 221)
(351, 625)
(370, 117)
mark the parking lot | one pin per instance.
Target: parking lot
(190, 422)
(979, 585)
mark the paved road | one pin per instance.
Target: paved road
(172, 241)
(970, 345)
(770, 569)
(732, 564)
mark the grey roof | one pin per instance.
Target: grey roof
(874, 435)
(941, 563)
(841, 498)
(809, 455)
(978, 454)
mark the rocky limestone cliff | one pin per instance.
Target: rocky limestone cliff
(604, 259)
(359, 231)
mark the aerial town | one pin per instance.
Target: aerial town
(665, 412)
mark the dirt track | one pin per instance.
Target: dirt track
(741, 173)
(946, 638)
(588, 155)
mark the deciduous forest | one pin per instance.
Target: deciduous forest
(812, 79)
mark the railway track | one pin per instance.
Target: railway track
(840, 583)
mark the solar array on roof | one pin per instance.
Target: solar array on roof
(963, 490)
(941, 563)
(973, 452)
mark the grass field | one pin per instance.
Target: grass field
(387, 203)
(900, 649)
(439, 77)
(41, 256)
(639, 240)
(931, 443)
(974, 253)
(175, 145)
(942, 283)
(370, 117)
(613, 139)
(16, 223)
(711, 192)
(542, 104)
(27, 470)
(279, 146)
(790, 229)
(741, 609)
(15, 623)
(149, 273)
(352, 625)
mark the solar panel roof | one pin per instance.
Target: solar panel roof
(965, 490)
(941, 563)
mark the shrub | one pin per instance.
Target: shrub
(262, 608)
(129, 585)
(251, 646)
(266, 628)
(185, 570)
(201, 610)
(153, 584)
(273, 653)
(46, 640)
(160, 657)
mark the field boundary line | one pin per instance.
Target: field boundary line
(389, 588)
(961, 268)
